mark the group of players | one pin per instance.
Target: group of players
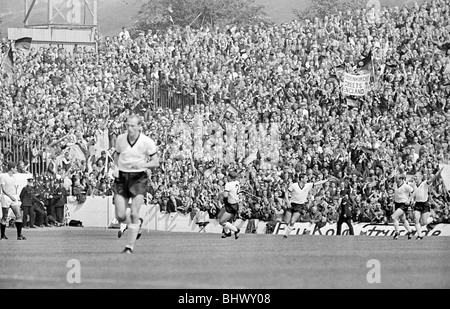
(136, 153)
(406, 194)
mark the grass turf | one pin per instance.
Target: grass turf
(164, 260)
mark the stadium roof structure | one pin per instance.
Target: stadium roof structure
(67, 14)
(52, 35)
(67, 22)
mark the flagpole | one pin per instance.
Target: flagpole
(12, 68)
(195, 18)
(5, 55)
(373, 68)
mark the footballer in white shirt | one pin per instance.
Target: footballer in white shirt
(402, 200)
(135, 154)
(9, 198)
(296, 200)
(421, 206)
(231, 208)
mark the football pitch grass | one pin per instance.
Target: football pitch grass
(168, 260)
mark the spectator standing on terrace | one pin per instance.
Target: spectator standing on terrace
(66, 162)
(124, 34)
(276, 216)
(102, 158)
(22, 168)
(317, 219)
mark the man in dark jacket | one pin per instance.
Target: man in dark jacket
(28, 199)
(49, 193)
(41, 212)
(60, 201)
(345, 214)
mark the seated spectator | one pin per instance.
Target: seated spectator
(173, 204)
(255, 214)
(378, 214)
(304, 216)
(66, 162)
(105, 189)
(317, 218)
(332, 215)
(366, 215)
(446, 215)
(357, 215)
(164, 205)
(79, 191)
(202, 218)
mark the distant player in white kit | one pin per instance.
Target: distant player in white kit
(402, 198)
(231, 208)
(135, 153)
(9, 199)
(421, 206)
(296, 199)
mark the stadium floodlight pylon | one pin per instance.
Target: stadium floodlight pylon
(61, 13)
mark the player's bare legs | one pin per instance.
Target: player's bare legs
(123, 226)
(290, 219)
(135, 223)
(420, 219)
(120, 204)
(225, 230)
(227, 226)
(417, 217)
(395, 216)
(406, 225)
(15, 207)
(4, 222)
(399, 214)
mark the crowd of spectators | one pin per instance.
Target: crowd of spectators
(282, 79)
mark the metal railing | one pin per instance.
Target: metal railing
(18, 148)
(172, 98)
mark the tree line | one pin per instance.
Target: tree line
(162, 14)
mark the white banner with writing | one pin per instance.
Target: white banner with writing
(357, 85)
(358, 229)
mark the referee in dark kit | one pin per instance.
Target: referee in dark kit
(345, 213)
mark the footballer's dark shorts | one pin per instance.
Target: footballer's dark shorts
(131, 184)
(232, 208)
(296, 207)
(422, 207)
(402, 206)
